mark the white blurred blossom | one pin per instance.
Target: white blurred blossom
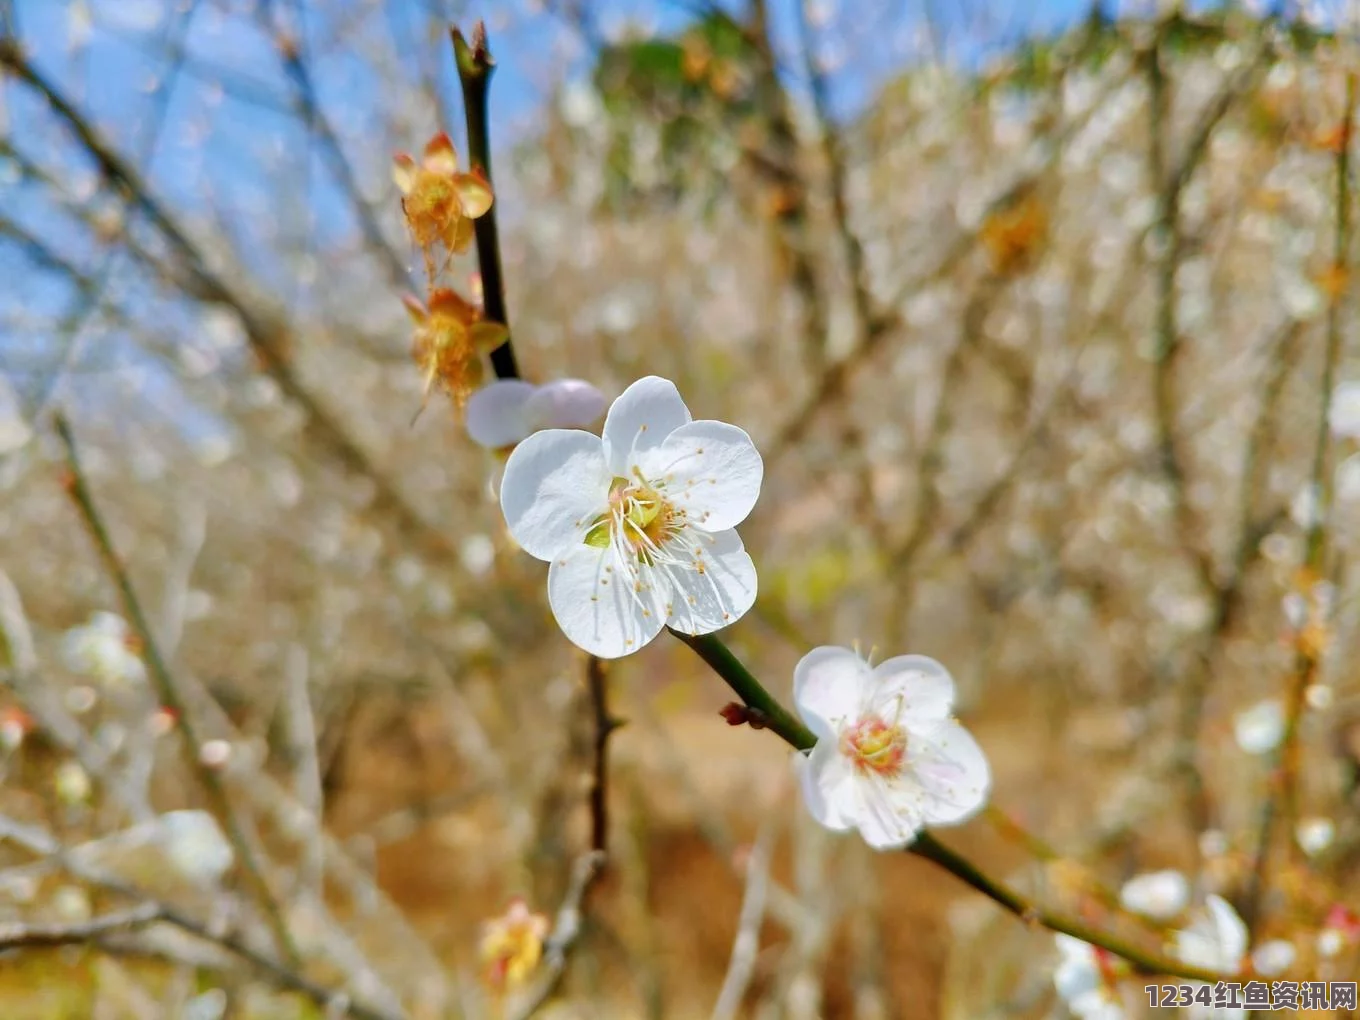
(102, 649)
(1216, 938)
(1260, 729)
(1079, 979)
(1273, 957)
(1160, 895)
(1315, 834)
(503, 413)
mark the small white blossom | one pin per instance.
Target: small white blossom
(1081, 983)
(101, 649)
(638, 525)
(1273, 957)
(1215, 940)
(1260, 729)
(890, 760)
(1314, 835)
(1160, 895)
(1330, 942)
(507, 411)
(170, 850)
(1344, 416)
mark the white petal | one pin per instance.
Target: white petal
(829, 686)
(1160, 895)
(595, 604)
(711, 470)
(639, 420)
(555, 485)
(1076, 976)
(950, 771)
(828, 784)
(565, 404)
(888, 816)
(1273, 957)
(1230, 932)
(704, 602)
(496, 413)
(924, 686)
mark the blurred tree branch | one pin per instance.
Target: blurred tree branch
(168, 690)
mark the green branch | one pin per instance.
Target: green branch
(781, 721)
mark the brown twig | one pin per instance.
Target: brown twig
(36, 935)
(168, 690)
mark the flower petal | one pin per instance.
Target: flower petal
(565, 404)
(719, 594)
(440, 156)
(555, 484)
(828, 784)
(485, 336)
(924, 686)
(463, 233)
(888, 819)
(829, 686)
(642, 418)
(403, 172)
(950, 772)
(711, 469)
(1229, 930)
(474, 193)
(495, 413)
(595, 605)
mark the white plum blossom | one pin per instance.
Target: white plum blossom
(638, 524)
(1160, 895)
(504, 412)
(1314, 835)
(102, 649)
(1344, 414)
(1273, 957)
(1082, 983)
(890, 759)
(1260, 729)
(1216, 938)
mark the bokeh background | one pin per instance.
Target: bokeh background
(1028, 307)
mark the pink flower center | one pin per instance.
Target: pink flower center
(875, 746)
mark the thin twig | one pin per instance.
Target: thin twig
(564, 935)
(36, 935)
(149, 910)
(265, 335)
(475, 67)
(746, 944)
(168, 690)
(1281, 798)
